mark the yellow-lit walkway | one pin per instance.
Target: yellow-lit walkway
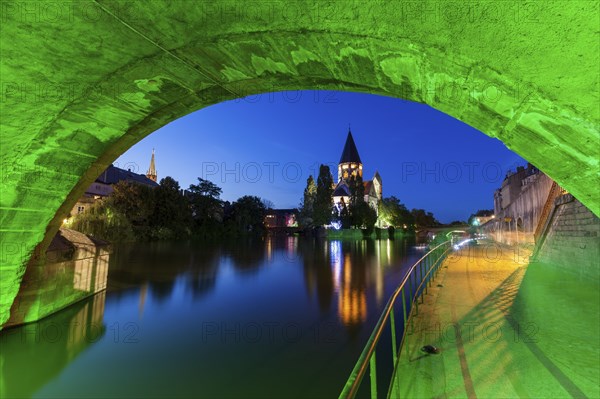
(501, 333)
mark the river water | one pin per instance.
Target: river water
(272, 317)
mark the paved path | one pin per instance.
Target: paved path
(493, 343)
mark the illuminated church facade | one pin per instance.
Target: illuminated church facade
(350, 166)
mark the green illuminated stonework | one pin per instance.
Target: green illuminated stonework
(84, 81)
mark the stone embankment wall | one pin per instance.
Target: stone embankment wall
(573, 238)
(523, 212)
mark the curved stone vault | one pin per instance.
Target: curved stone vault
(84, 81)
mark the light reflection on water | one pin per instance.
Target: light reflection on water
(250, 318)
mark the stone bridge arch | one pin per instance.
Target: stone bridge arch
(84, 81)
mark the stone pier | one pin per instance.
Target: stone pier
(75, 267)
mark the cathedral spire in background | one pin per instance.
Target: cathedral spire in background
(151, 173)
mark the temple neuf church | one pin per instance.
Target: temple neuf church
(351, 166)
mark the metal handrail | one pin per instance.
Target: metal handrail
(411, 314)
(368, 354)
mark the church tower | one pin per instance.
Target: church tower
(350, 164)
(151, 173)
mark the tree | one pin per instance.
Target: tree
(457, 223)
(171, 210)
(395, 213)
(206, 206)
(136, 202)
(424, 219)
(323, 205)
(206, 188)
(102, 221)
(124, 216)
(308, 203)
(357, 190)
(364, 216)
(358, 213)
(344, 216)
(268, 204)
(248, 214)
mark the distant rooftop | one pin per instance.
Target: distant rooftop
(113, 175)
(282, 212)
(342, 190)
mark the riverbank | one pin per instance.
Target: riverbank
(505, 328)
(357, 234)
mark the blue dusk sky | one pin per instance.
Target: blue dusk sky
(267, 145)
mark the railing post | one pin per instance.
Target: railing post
(404, 307)
(416, 302)
(373, 377)
(411, 295)
(393, 327)
(420, 282)
(410, 291)
(429, 274)
(425, 278)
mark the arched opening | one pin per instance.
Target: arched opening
(73, 109)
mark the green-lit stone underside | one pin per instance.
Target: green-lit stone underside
(84, 81)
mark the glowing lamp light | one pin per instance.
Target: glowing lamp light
(457, 246)
(336, 225)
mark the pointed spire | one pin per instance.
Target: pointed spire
(151, 173)
(350, 153)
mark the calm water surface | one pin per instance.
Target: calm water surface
(272, 317)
